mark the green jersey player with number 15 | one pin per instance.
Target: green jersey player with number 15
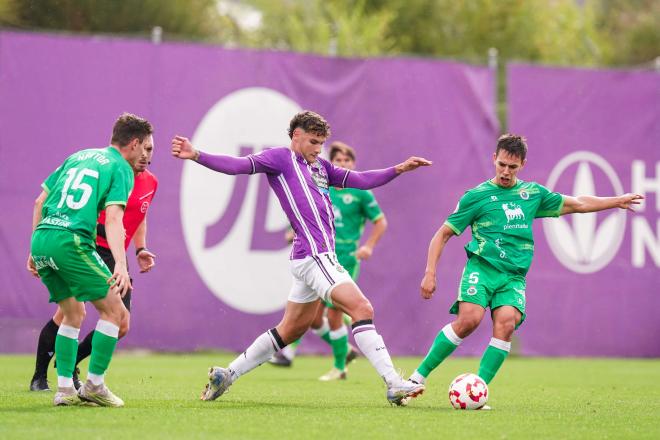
(63, 251)
(500, 213)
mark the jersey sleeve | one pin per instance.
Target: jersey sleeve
(269, 161)
(51, 180)
(336, 175)
(464, 214)
(551, 203)
(121, 186)
(370, 206)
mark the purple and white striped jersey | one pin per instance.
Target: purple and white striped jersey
(302, 189)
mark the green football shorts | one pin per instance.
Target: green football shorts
(69, 265)
(483, 284)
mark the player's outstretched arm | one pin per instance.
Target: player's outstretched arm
(412, 163)
(114, 228)
(437, 245)
(36, 218)
(183, 149)
(584, 204)
(375, 178)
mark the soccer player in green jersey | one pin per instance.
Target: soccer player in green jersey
(500, 213)
(63, 251)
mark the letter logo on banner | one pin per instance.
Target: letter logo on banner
(580, 242)
(233, 225)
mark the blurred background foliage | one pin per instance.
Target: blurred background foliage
(560, 32)
(590, 33)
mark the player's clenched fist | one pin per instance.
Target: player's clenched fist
(182, 148)
(428, 286)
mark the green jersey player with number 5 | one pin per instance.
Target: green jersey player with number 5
(63, 251)
(500, 213)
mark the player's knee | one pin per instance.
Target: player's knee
(503, 329)
(364, 310)
(465, 325)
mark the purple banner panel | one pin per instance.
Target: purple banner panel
(222, 275)
(594, 288)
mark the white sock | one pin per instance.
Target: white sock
(339, 333)
(256, 354)
(325, 328)
(96, 379)
(289, 352)
(371, 344)
(499, 343)
(417, 377)
(64, 382)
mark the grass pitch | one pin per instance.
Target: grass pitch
(531, 398)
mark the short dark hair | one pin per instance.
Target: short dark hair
(513, 144)
(310, 122)
(128, 127)
(339, 147)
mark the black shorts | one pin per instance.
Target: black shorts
(109, 260)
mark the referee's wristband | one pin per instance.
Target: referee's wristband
(138, 250)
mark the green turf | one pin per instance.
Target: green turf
(531, 398)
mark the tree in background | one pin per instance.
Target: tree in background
(562, 32)
(633, 28)
(337, 27)
(182, 19)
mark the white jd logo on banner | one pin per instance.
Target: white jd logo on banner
(579, 242)
(248, 278)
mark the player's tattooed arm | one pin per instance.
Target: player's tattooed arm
(36, 218)
(582, 204)
(437, 245)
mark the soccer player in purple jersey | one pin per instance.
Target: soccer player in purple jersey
(301, 180)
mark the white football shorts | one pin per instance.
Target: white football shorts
(315, 276)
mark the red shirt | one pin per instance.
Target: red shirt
(144, 190)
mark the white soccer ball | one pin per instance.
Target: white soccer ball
(468, 391)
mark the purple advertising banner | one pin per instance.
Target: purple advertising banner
(594, 287)
(222, 275)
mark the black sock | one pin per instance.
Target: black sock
(85, 347)
(45, 348)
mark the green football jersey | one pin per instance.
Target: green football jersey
(501, 221)
(85, 184)
(352, 208)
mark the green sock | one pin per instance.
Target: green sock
(493, 358)
(103, 346)
(324, 331)
(295, 343)
(444, 345)
(66, 349)
(339, 347)
(326, 337)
